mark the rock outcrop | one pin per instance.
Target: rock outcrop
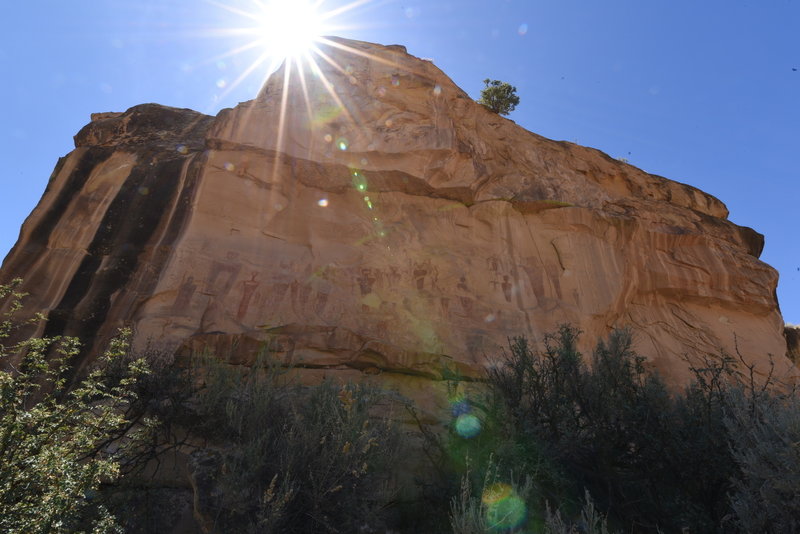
(372, 218)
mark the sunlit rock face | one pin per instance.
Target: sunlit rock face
(368, 217)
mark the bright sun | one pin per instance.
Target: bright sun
(289, 28)
(280, 32)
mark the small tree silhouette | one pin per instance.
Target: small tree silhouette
(500, 97)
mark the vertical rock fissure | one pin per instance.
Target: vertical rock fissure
(179, 215)
(113, 255)
(22, 260)
(519, 298)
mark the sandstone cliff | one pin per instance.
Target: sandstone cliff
(372, 218)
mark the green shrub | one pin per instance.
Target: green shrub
(466, 512)
(296, 459)
(482, 448)
(500, 506)
(590, 521)
(653, 460)
(500, 97)
(58, 444)
(764, 432)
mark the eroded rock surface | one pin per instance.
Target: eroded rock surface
(373, 218)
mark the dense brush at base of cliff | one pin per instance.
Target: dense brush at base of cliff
(717, 457)
(269, 455)
(551, 442)
(547, 443)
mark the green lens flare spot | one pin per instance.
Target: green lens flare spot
(468, 426)
(506, 514)
(359, 181)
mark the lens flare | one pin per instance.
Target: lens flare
(496, 493)
(504, 509)
(468, 426)
(279, 31)
(507, 513)
(359, 181)
(325, 114)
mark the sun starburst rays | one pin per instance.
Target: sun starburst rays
(311, 71)
(278, 30)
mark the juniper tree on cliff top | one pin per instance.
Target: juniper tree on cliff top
(500, 97)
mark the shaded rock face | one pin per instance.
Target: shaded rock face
(792, 334)
(371, 217)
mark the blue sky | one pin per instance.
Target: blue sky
(706, 93)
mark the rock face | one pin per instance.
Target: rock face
(792, 334)
(372, 218)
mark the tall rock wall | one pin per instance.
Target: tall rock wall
(371, 218)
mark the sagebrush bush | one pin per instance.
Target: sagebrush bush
(590, 521)
(605, 425)
(297, 459)
(764, 432)
(466, 513)
(720, 456)
(500, 505)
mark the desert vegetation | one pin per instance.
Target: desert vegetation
(295, 459)
(59, 442)
(609, 448)
(550, 442)
(499, 97)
